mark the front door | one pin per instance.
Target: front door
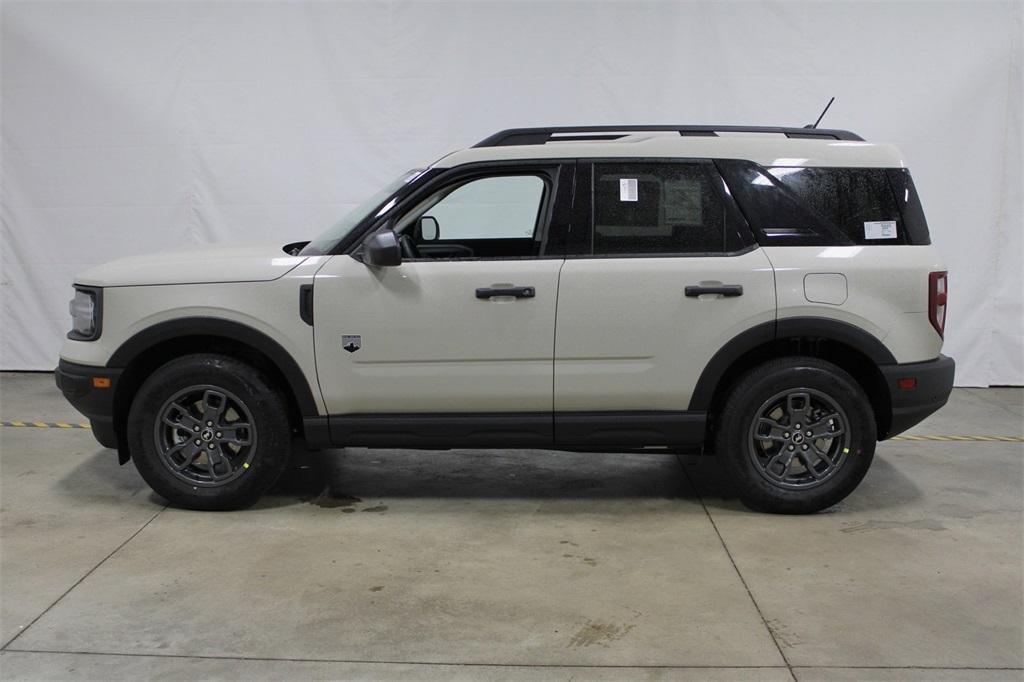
(465, 324)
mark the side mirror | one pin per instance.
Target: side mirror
(381, 249)
(430, 230)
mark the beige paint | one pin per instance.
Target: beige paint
(268, 307)
(629, 339)
(888, 291)
(428, 344)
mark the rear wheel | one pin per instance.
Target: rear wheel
(209, 432)
(796, 435)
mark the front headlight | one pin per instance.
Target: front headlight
(85, 314)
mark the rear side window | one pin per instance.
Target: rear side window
(790, 206)
(657, 208)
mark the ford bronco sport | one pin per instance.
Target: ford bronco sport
(766, 294)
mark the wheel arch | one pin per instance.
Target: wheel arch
(843, 344)
(154, 346)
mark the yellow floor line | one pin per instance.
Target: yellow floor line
(982, 439)
(47, 425)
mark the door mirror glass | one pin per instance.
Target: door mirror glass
(430, 230)
(381, 249)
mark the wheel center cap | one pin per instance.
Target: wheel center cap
(798, 438)
(206, 435)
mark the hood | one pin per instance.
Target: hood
(200, 265)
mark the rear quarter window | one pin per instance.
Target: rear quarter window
(856, 201)
(802, 206)
(914, 222)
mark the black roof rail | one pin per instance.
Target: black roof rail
(519, 136)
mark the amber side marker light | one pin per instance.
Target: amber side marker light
(907, 383)
(104, 382)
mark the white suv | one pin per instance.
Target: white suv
(768, 294)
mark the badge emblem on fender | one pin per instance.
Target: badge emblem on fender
(351, 342)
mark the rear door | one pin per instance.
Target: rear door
(662, 276)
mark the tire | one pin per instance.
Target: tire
(209, 432)
(777, 468)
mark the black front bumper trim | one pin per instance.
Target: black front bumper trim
(76, 383)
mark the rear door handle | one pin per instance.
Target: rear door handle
(517, 292)
(721, 289)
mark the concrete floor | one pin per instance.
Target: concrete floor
(513, 565)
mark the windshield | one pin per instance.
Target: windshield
(326, 241)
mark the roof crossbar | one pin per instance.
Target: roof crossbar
(523, 136)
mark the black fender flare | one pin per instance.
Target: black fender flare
(786, 328)
(227, 329)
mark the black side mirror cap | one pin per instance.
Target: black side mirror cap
(382, 249)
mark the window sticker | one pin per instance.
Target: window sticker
(880, 229)
(627, 189)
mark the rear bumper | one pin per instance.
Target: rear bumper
(911, 406)
(76, 383)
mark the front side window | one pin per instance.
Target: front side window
(656, 208)
(489, 217)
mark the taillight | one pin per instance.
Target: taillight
(937, 300)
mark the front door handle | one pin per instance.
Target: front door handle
(517, 292)
(721, 289)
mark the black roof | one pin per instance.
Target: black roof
(514, 136)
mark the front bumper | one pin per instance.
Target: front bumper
(77, 385)
(934, 382)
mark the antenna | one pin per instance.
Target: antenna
(815, 124)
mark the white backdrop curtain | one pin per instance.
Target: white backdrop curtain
(134, 127)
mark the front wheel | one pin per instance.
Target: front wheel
(796, 436)
(209, 432)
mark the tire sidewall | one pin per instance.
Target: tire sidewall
(747, 397)
(248, 385)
